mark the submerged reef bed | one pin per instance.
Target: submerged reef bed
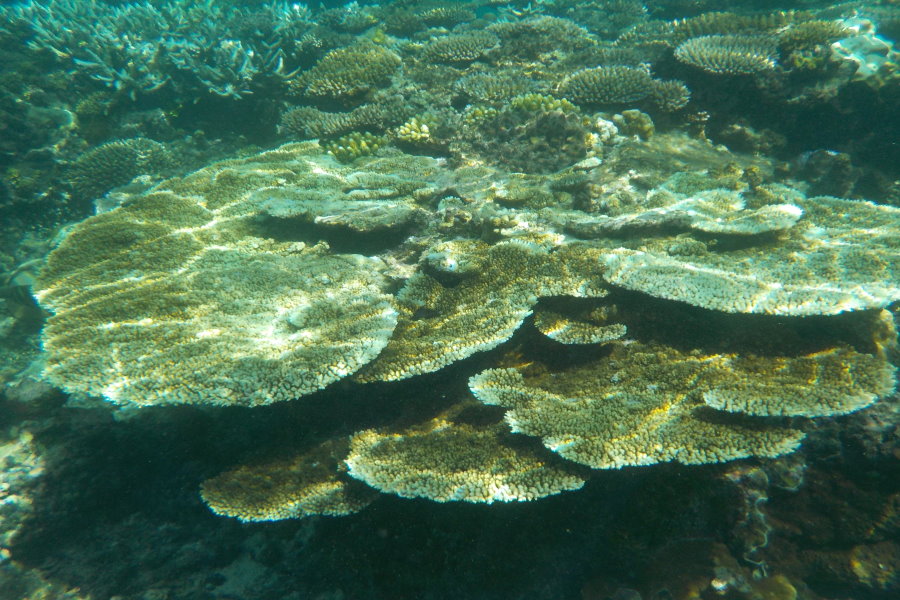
(220, 288)
(469, 296)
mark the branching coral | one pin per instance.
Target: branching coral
(116, 163)
(459, 48)
(601, 86)
(348, 72)
(729, 54)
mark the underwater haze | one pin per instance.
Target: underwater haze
(432, 300)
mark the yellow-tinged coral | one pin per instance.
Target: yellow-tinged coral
(841, 255)
(311, 483)
(354, 145)
(471, 297)
(176, 298)
(414, 131)
(541, 103)
(641, 405)
(590, 328)
(831, 382)
(729, 54)
(448, 462)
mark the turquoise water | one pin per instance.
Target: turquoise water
(426, 300)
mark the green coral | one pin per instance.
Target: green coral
(348, 72)
(456, 462)
(459, 48)
(839, 256)
(541, 103)
(646, 403)
(729, 54)
(301, 486)
(116, 163)
(600, 86)
(471, 297)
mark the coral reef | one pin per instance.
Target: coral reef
(116, 163)
(459, 48)
(600, 86)
(400, 256)
(445, 462)
(728, 54)
(348, 72)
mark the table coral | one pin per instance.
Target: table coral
(186, 304)
(455, 462)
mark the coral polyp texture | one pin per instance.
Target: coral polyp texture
(307, 484)
(729, 54)
(455, 462)
(348, 72)
(187, 305)
(600, 86)
(644, 404)
(268, 278)
(840, 256)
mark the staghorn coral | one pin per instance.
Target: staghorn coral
(729, 54)
(348, 72)
(189, 305)
(138, 49)
(838, 257)
(601, 86)
(459, 47)
(448, 462)
(116, 163)
(301, 486)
